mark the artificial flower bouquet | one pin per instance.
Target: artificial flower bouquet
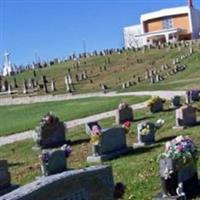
(95, 135)
(156, 104)
(154, 100)
(49, 119)
(182, 150)
(127, 126)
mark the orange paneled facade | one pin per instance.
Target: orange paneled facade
(153, 25)
(181, 21)
(178, 21)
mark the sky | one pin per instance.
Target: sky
(46, 29)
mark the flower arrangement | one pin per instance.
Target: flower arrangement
(67, 150)
(49, 118)
(44, 157)
(145, 129)
(181, 149)
(95, 135)
(155, 100)
(127, 126)
(122, 106)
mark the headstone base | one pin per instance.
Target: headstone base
(105, 157)
(138, 145)
(178, 127)
(160, 197)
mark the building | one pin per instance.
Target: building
(7, 66)
(166, 25)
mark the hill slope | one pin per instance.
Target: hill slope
(117, 68)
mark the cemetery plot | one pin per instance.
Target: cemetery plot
(107, 144)
(178, 169)
(50, 132)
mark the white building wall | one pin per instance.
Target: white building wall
(195, 20)
(129, 36)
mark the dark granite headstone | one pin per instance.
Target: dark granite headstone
(50, 133)
(53, 161)
(124, 113)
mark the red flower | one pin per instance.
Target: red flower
(127, 124)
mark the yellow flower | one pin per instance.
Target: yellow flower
(95, 139)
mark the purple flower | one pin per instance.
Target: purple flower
(45, 157)
(67, 150)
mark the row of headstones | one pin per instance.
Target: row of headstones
(6, 86)
(154, 77)
(183, 56)
(50, 138)
(28, 86)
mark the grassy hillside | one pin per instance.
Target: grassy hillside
(124, 67)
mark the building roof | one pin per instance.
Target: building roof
(165, 12)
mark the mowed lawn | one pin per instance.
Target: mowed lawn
(138, 170)
(25, 117)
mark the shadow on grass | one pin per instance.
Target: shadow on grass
(15, 164)
(79, 141)
(139, 150)
(165, 139)
(169, 110)
(142, 118)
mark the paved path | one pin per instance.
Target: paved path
(48, 98)
(70, 124)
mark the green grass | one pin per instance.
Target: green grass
(24, 117)
(138, 170)
(122, 68)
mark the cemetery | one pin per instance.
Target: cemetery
(148, 153)
(88, 149)
(112, 124)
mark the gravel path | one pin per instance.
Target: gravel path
(70, 124)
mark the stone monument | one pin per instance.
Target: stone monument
(7, 66)
(107, 144)
(93, 183)
(186, 116)
(145, 133)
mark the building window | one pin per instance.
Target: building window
(167, 23)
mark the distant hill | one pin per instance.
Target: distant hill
(116, 69)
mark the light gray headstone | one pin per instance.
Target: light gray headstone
(93, 183)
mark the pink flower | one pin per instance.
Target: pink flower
(96, 130)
